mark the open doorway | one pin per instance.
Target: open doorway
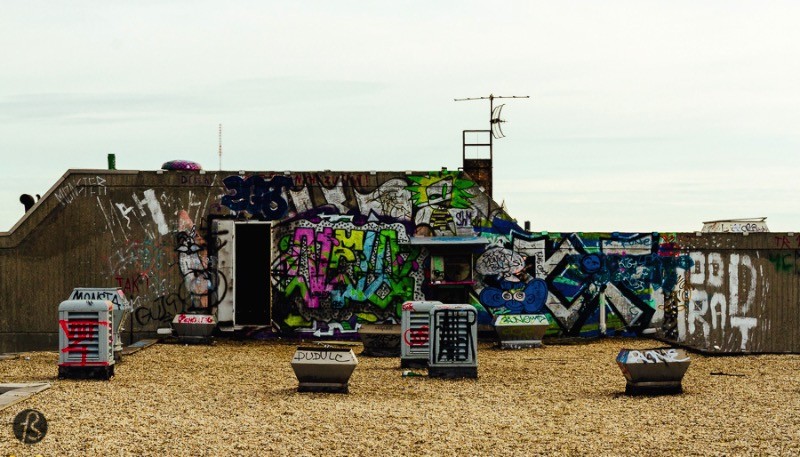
(251, 283)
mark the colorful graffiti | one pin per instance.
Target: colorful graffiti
(572, 275)
(437, 197)
(347, 248)
(331, 270)
(516, 297)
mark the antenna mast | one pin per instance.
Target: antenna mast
(480, 169)
(494, 118)
(220, 147)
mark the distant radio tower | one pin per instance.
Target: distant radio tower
(220, 147)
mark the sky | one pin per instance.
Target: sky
(643, 116)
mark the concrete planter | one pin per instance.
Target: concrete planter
(323, 369)
(653, 371)
(518, 331)
(380, 340)
(194, 328)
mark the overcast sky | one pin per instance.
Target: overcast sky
(644, 116)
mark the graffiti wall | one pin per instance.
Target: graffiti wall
(340, 242)
(159, 255)
(341, 254)
(666, 284)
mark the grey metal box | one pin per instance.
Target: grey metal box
(122, 307)
(415, 323)
(86, 339)
(380, 340)
(453, 342)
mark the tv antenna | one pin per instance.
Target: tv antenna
(220, 147)
(480, 167)
(494, 112)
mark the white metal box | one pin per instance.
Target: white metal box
(653, 371)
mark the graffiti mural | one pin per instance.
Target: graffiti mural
(516, 297)
(390, 199)
(572, 275)
(436, 197)
(330, 270)
(203, 286)
(154, 238)
(200, 275)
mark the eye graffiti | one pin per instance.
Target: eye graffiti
(517, 297)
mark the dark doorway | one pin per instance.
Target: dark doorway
(251, 306)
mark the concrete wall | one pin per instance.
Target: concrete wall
(340, 256)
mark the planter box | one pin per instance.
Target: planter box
(653, 371)
(517, 331)
(194, 328)
(380, 340)
(323, 369)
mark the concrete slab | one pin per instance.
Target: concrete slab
(13, 393)
(138, 346)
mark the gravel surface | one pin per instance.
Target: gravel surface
(239, 398)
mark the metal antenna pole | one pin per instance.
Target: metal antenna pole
(478, 168)
(491, 98)
(220, 147)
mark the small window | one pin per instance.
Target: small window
(451, 268)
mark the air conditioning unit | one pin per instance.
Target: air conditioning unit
(85, 339)
(122, 308)
(453, 342)
(415, 323)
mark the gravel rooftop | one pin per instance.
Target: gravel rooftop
(239, 398)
